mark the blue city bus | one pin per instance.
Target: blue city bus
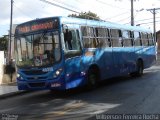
(60, 53)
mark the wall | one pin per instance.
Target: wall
(1, 66)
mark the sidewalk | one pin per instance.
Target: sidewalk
(7, 90)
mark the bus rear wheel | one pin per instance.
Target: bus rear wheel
(139, 71)
(140, 68)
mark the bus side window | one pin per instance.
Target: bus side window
(72, 40)
(150, 39)
(68, 39)
(85, 36)
(132, 37)
(93, 41)
(115, 37)
(78, 36)
(78, 39)
(144, 39)
(101, 37)
(96, 38)
(90, 38)
(109, 37)
(120, 38)
(127, 38)
(75, 40)
(137, 41)
(140, 39)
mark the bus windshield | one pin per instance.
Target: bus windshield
(42, 49)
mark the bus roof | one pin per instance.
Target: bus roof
(86, 22)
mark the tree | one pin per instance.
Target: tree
(86, 15)
(3, 43)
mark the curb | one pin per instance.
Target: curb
(12, 94)
(9, 84)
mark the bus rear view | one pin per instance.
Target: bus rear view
(37, 47)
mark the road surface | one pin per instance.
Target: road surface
(122, 95)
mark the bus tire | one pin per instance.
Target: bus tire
(139, 71)
(92, 78)
(139, 68)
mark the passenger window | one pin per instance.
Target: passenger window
(102, 37)
(89, 39)
(137, 41)
(144, 39)
(78, 36)
(95, 37)
(132, 37)
(150, 39)
(85, 31)
(115, 38)
(127, 38)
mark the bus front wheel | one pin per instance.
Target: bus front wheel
(92, 80)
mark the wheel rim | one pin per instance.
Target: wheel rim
(140, 68)
(92, 79)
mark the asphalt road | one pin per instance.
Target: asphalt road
(122, 95)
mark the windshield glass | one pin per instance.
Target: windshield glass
(41, 49)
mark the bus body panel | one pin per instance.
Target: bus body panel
(74, 77)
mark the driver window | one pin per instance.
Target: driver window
(71, 39)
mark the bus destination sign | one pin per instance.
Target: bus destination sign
(37, 26)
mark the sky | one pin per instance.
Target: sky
(117, 11)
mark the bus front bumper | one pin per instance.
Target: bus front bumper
(41, 85)
(58, 84)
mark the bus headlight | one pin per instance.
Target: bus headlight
(19, 76)
(57, 73)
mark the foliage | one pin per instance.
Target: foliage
(86, 15)
(3, 43)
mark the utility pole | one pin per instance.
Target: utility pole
(153, 11)
(132, 14)
(10, 33)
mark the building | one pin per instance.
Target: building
(158, 41)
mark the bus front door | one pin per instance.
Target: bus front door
(73, 54)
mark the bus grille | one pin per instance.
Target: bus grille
(34, 72)
(42, 84)
(36, 78)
